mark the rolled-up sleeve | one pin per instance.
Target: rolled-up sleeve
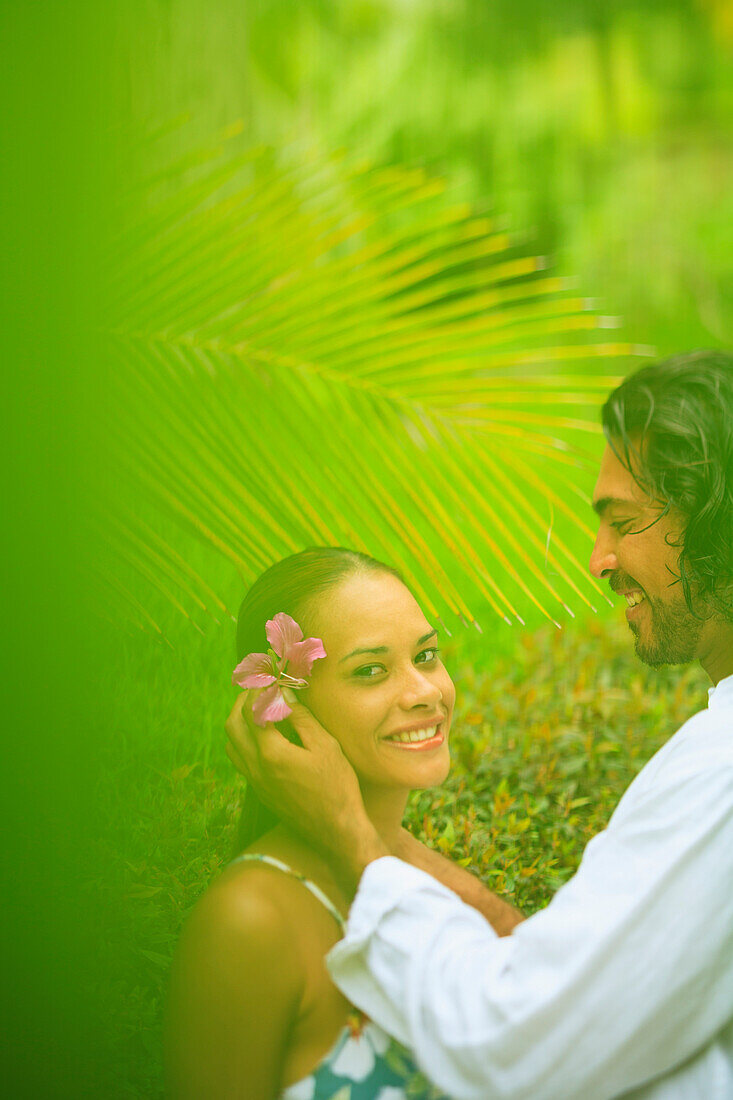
(627, 973)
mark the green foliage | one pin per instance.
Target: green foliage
(604, 127)
(357, 294)
(549, 740)
(546, 738)
(341, 301)
(310, 350)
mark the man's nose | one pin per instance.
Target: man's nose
(603, 559)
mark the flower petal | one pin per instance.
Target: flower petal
(303, 1090)
(302, 655)
(270, 706)
(256, 681)
(355, 1061)
(282, 633)
(254, 671)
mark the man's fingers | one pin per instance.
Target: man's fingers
(237, 759)
(309, 729)
(239, 724)
(235, 718)
(244, 747)
(241, 767)
(273, 747)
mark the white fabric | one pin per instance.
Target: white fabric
(622, 986)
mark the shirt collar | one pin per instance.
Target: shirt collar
(722, 694)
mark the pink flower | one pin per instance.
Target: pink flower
(285, 665)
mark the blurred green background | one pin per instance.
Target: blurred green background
(589, 140)
(595, 135)
(603, 128)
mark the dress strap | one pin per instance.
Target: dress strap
(255, 857)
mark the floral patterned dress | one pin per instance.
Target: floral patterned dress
(364, 1063)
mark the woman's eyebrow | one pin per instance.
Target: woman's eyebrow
(384, 648)
(374, 649)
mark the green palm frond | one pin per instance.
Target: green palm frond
(309, 351)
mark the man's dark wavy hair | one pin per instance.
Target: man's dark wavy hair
(671, 425)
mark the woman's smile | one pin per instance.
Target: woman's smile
(421, 737)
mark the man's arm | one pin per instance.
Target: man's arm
(316, 790)
(624, 977)
(502, 916)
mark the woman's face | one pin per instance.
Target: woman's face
(382, 691)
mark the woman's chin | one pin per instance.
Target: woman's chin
(432, 773)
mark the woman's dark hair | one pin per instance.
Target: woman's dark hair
(671, 425)
(290, 586)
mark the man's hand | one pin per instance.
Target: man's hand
(313, 789)
(502, 916)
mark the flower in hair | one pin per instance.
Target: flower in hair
(286, 664)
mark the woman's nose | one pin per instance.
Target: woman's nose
(420, 690)
(603, 559)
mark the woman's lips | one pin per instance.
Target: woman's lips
(418, 746)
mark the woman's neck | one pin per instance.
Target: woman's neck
(385, 807)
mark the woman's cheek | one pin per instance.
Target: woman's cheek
(329, 705)
(449, 693)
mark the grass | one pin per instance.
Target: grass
(547, 736)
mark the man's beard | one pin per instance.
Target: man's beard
(672, 636)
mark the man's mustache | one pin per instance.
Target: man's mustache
(621, 582)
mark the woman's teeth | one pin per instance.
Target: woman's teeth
(414, 735)
(633, 598)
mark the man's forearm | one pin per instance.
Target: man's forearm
(358, 845)
(502, 916)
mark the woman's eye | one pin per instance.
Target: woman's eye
(368, 672)
(427, 656)
(622, 526)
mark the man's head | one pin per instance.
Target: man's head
(664, 497)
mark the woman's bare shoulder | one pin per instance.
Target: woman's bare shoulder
(266, 905)
(236, 985)
(245, 905)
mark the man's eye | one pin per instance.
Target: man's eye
(427, 656)
(622, 526)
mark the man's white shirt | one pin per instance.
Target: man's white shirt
(622, 986)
